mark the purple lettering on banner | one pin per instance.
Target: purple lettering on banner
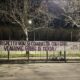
(38, 45)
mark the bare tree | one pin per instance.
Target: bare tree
(17, 15)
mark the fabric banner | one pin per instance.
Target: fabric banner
(38, 45)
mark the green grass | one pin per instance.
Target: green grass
(12, 55)
(16, 54)
(73, 55)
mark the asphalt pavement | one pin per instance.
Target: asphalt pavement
(40, 71)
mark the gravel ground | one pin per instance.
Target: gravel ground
(40, 71)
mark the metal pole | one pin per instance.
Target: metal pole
(34, 40)
(8, 54)
(34, 35)
(27, 52)
(28, 55)
(47, 50)
(9, 50)
(71, 35)
(64, 52)
(65, 56)
(46, 55)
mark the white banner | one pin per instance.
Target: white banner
(38, 45)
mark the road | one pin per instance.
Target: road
(40, 71)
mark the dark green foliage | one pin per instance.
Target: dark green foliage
(11, 32)
(59, 34)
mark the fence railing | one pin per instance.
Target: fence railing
(40, 50)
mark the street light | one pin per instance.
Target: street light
(30, 22)
(26, 31)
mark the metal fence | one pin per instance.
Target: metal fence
(67, 52)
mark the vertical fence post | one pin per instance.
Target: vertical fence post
(71, 35)
(64, 52)
(8, 49)
(27, 55)
(8, 54)
(46, 56)
(65, 55)
(47, 52)
(35, 40)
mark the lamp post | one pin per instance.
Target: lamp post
(27, 52)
